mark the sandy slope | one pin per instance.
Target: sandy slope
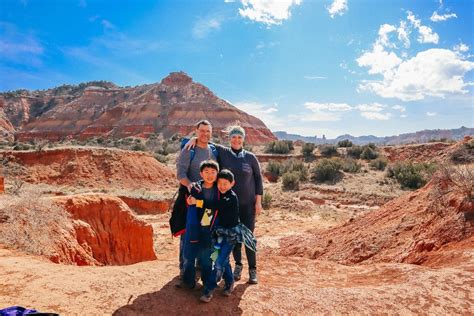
(288, 285)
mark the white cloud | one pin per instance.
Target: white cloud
(338, 7)
(332, 107)
(461, 47)
(264, 112)
(376, 116)
(384, 32)
(431, 113)
(379, 61)
(19, 47)
(399, 108)
(106, 24)
(403, 34)
(435, 17)
(426, 34)
(203, 27)
(434, 72)
(314, 77)
(229, 1)
(403, 115)
(374, 107)
(269, 12)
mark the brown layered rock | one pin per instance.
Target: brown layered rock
(172, 106)
(407, 229)
(2, 184)
(92, 167)
(107, 231)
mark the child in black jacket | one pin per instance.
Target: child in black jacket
(224, 235)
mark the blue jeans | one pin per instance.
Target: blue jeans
(200, 249)
(222, 268)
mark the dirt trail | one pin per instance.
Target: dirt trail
(288, 285)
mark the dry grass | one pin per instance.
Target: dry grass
(31, 223)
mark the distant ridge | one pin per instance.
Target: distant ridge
(423, 136)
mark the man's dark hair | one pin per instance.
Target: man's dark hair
(226, 174)
(203, 122)
(208, 164)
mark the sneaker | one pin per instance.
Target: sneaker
(183, 285)
(238, 272)
(253, 276)
(206, 298)
(228, 290)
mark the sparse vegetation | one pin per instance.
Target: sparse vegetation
(344, 143)
(368, 153)
(463, 154)
(378, 164)
(274, 169)
(411, 175)
(30, 222)
(354, 152)
(328, 150)
(266, 200)
(291, 180)
(307, 150)
(351, 165)
(279, 147)
(327, 170)
(294, 165)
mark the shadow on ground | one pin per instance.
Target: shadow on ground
(170, 300)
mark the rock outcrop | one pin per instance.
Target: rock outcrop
(106, 232)
(407, 229)
(91, 167)
(172, 106)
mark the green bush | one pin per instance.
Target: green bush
(464, 153)
(354, 152)
(279, 147)
(351, 165)
(161, 158)
(291, 180)
(411, 175)
(138, 147)
(326, 170)
(294, 165)
(274, 168)
(344, 143)
(368, 153)
(266, 200)
(307, 149)
(378, 164)
(328, 150)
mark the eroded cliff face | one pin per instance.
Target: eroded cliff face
(172, 106)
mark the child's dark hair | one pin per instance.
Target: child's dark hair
(226, 174)
(208, 164)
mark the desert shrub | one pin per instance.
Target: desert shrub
(411, 175)
(351, 165)
(294, 165)
(266, 200)
(354, 152)
(378, 164)
(328, 150)
(279, 147)
(161, 158)
(291, 180)
(464, 153)
(138, 147)
(274, 168)
(22, 146)
(368, 153)
(31, 223)
(307, 149)
(344, 143)
(326, 170)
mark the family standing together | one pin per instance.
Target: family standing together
(219, 197)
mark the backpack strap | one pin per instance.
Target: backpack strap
(217, 211)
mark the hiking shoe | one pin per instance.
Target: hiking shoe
(206, 298)
(238, 272)
(228, 290)
(183, 285)
(253, 276)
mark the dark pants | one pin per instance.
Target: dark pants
(197, 249)
(247, 217)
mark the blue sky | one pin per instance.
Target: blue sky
(309, 67)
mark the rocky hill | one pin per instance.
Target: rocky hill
(103, 109)
(408, 138)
